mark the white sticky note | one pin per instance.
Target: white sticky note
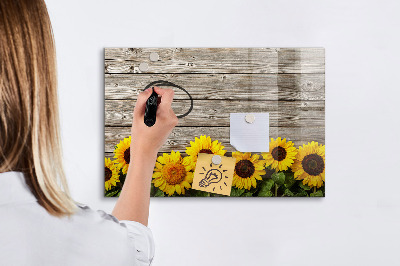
(249, 137)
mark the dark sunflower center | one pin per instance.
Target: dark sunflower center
(278, 153)
(174, 173)
(244, 168)
(127, 155)
(108, 173)
(313, 164)
(206, 151)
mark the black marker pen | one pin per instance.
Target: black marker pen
(151, 109)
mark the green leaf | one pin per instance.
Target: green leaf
(279, 178)
(236, 192)
(265, 188)
(255, 189)
(301, 193)
(112, 193)
(199, 193)
(217, 195)
(247, 194)
(290, 181)
(288, 193)
(159, 193)
(152, 190)
(265, 193)
(318, 193)
(267, 184)
(305, 187)
(122, 178)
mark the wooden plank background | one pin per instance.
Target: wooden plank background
(289, 83)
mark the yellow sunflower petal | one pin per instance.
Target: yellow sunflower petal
(178, 188)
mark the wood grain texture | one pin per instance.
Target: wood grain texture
(217, 112)
(254, 87)
(217, 60)
(181, 136)
(289, 83)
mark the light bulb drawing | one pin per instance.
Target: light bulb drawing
(214, 175)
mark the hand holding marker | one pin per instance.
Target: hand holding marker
(153, 101)
(153, 117)
(150, 139)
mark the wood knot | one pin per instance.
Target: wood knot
(133, 51)
(307, 86)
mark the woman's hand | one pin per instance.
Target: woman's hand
(148, 140)
(133, 203)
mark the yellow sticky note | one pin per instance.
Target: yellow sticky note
(212, 177)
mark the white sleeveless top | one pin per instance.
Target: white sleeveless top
(31, 236)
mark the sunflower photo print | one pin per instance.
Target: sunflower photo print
(283, 171)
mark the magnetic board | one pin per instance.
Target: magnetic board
(286, 83)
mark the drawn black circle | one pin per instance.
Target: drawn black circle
(170, 84)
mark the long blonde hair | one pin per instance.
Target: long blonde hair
(29, 119)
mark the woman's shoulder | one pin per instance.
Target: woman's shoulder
(134, 234)
(99, 221)
(86, 214)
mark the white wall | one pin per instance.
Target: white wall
(358, 221)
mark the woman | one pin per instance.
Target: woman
(39, 222)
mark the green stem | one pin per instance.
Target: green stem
(315, 189)
(276, 190)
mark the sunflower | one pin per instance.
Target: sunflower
(309, 165)
(111, 174)
(204, 145)
(248, 168)
(172, 173)
(281, 154)
(123, 154)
